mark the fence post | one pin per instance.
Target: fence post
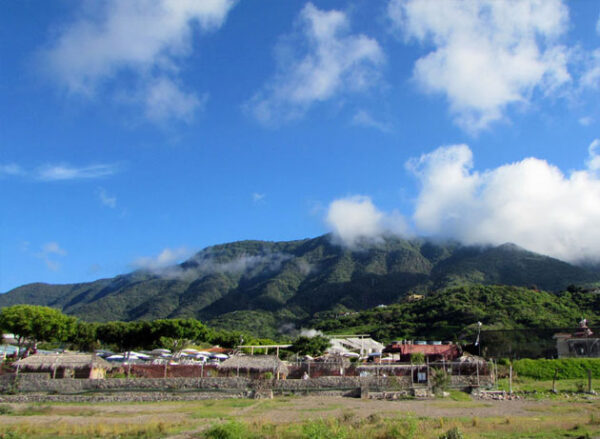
(554, 381)
(477, 367)
(589, 372)
(510, 378)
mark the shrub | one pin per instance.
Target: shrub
(453, 433)
(5, 409)
(417, 358)
(229, 430)
(322, 430)
(440, 380)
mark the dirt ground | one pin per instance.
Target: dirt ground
(195, 416)
(288, 409)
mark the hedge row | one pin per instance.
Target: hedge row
(568, 368)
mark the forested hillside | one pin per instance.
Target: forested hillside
(269, 285)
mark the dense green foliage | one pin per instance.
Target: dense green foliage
(257, 286)
(452, 313)
(568, 368)
(313, 346)
(33, 324)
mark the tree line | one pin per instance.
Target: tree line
(34, 324)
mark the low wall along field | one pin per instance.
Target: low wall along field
(234, 386)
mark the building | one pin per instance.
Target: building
(356, 345)
(255, 366)
(403, 350)
(65, 365)
(581, 343)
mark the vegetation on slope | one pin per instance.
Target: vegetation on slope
(264, 286)
(450, 313)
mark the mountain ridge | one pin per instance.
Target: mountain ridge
(290, 281)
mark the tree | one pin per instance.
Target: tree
(31, 324)
(313, 346)
(84, 337)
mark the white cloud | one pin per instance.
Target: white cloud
(106, 199)
(487, 54)
(144, 37)
(208, 262)
(356, 219)
(48, 254)
(59, 172)
(53, 248)
(593, 162)
(590, 77)
(164, 259)
(325, 62)
(11, 169)
(530, 203)
(68, 172)
(164, 99)
(257, 197)
(586, 121)
(598, 26)
(363, 118)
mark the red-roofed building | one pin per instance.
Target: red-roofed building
(432, 352)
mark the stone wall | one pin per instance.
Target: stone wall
(42, 383)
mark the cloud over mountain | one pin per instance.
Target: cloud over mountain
(531, 203)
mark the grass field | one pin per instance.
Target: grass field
(307, 417)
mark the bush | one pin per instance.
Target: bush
(440, 380)
(322, 430)
(453, 433)
(568, 368)
(229, 430)
(417, 358)
(5, 409)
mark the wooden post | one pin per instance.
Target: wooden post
(589, 380)
(477, 367)
(554, 380)
(166, 366)
(308, 369)
(510, 379)
(202, 370)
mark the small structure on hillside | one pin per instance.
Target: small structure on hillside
(403, 350)
(581, 343)
(255, 366)
(65, 365)
(359, 345)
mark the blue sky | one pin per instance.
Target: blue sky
(135, 133)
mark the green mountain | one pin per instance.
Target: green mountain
(260, 286)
